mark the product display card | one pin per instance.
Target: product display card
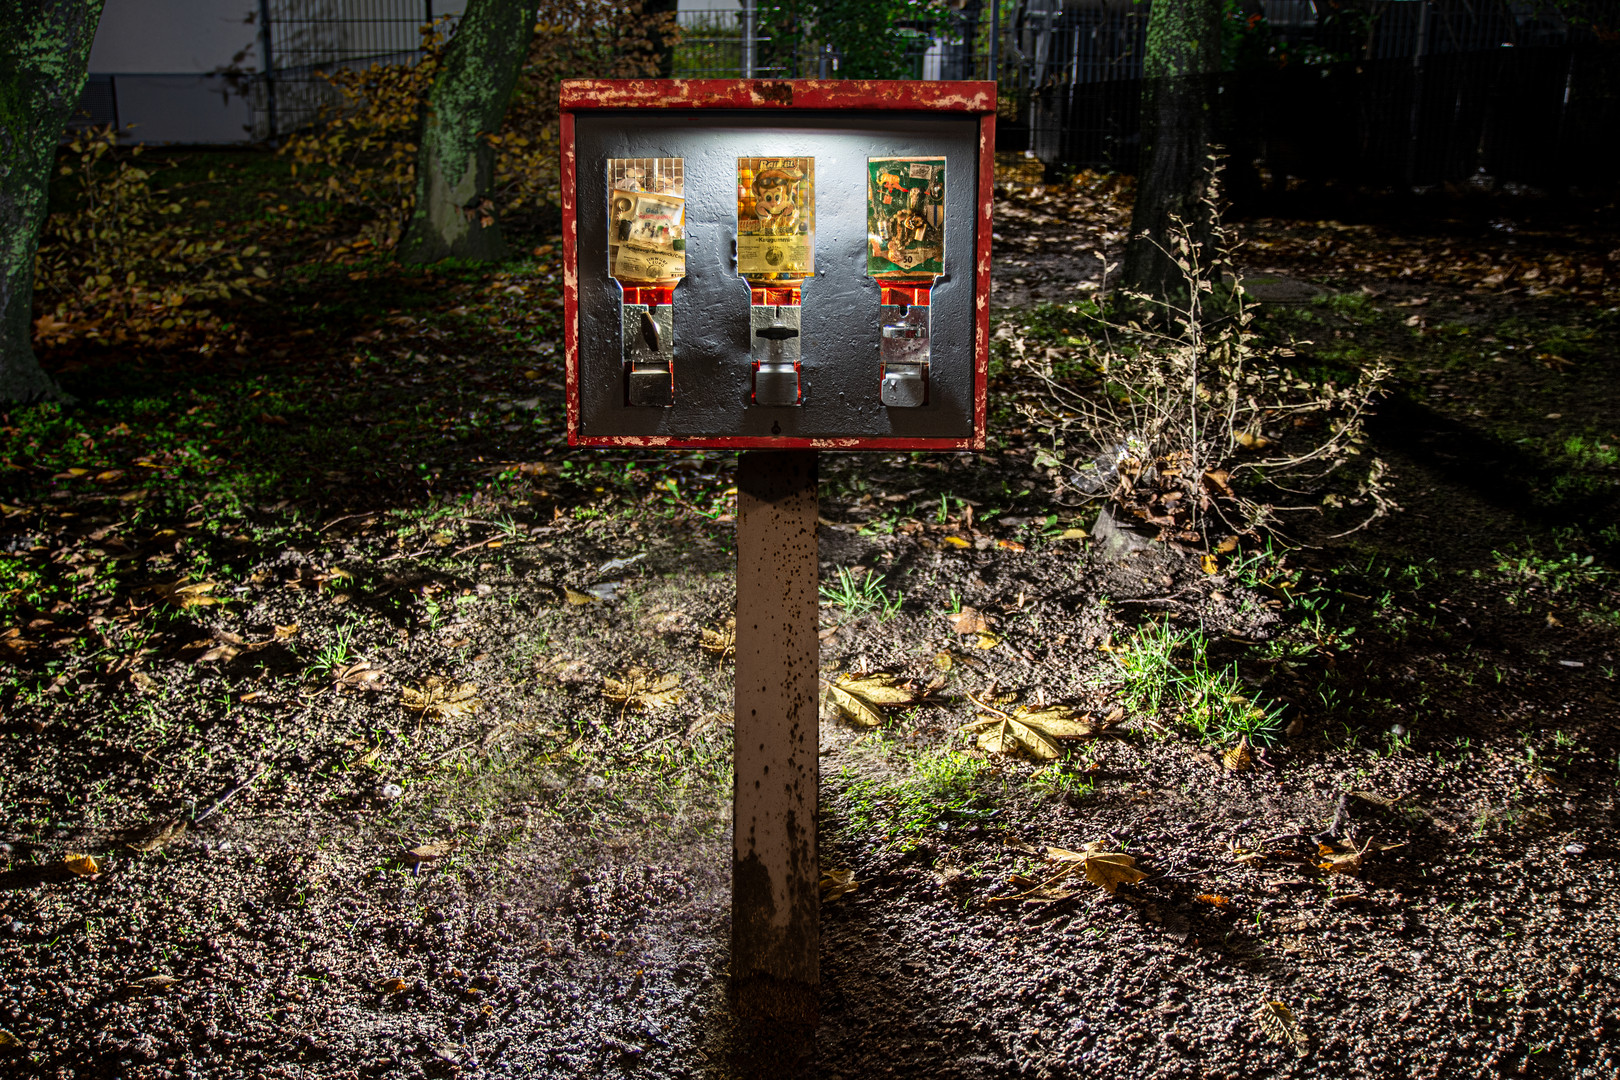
(905, 216)
(647, 208)
(776, 216)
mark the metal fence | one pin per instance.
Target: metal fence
(302, 41)
(733, 43)
(1405, 92)
(719, 44)
(1411, 92)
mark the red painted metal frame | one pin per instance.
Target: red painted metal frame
(766, 95)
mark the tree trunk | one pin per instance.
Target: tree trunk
(454, 216)
(1183, 55)
(44, 58)
(665, 37)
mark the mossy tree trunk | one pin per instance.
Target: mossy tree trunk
(454, 215)
(44, 60)
(1180, 67)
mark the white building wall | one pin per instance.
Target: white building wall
(172, 37)
(160, 66)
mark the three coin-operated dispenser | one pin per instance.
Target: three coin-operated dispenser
(777, 263)
(646, 255)
(905, 218)
(779, 267)
(775, 254)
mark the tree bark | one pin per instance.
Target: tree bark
(1179, 69)
(454, 216)
(44, 60)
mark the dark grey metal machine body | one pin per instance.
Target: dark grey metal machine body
(729, 379)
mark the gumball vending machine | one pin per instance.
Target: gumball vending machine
(778, 267)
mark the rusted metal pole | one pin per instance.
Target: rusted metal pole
(775, 902)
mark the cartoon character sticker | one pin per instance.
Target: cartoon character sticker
(775, 217)
(647, 219)
(905, 216)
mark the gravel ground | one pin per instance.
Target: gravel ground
(301, 876)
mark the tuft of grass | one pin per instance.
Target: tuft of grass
(1167, 670)
(1059, 780)
(1562, 571)
(861, 596)
(333, 656)
(943, 785)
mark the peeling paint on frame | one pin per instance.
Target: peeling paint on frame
(585, 95)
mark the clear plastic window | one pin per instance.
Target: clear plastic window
(646, 220)
(776, 218)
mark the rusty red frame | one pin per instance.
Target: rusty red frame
(977, 98)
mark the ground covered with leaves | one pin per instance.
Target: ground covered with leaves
(351, 725)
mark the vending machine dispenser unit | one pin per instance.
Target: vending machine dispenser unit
(777, 263)
(780, 267)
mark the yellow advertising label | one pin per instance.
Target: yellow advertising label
(776, 209)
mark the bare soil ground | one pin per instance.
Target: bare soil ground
(361, 802)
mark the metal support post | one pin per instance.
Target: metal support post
(267, 59)
(776, 912)
(749, 21)
(995, 41)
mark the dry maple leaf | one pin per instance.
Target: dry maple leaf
(1033, 730)
(1107, 870)
(225, 645)
(427, 852)
(1279, 1024)
(1349, 862)
(361, 676)
(187, 594)
(835, 883)
(224, 650)
(969, 621)
(160, 835)
(441, 699)
(12, 639)
(1245, 857)
(721, 641)
(80, 863)
(708, 720)
(1238, 758)
(859, 697)
(641, 689)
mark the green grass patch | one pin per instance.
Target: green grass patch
(937, 786)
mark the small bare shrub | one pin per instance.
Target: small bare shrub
(1186, 421)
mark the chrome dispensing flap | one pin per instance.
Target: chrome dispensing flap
(649, 354)
(776, 347)
(903, 351)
